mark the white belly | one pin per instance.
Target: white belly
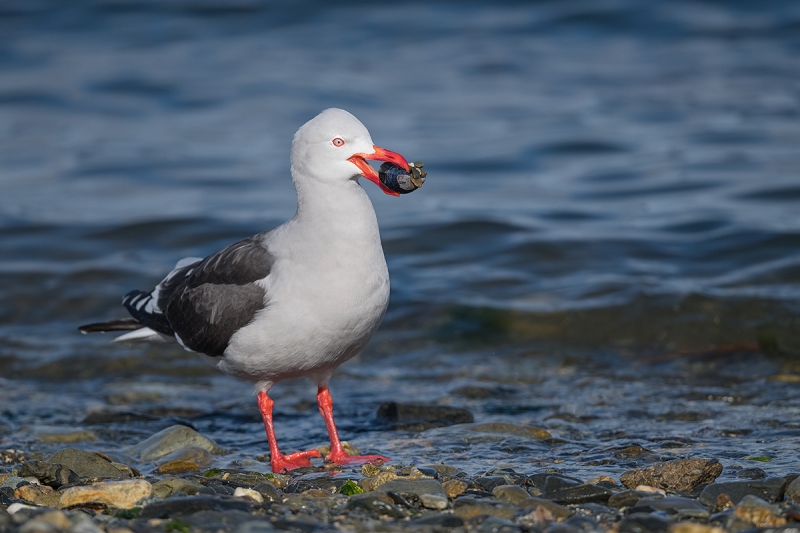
(316, 318)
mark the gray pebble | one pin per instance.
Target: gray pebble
(771, 490)
(373, 503)
(416, 487)
(85, 464)
(255, 526)
(169, 440)
(433, 501)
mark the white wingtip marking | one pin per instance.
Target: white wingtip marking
(143, 335)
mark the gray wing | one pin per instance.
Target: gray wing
(205, 302)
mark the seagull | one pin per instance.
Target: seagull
(296, 301)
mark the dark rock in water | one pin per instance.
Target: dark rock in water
(6, 498)
(298, 525)
(194, 504)
(582, 523)
(417, 487)
(438, 520)
(239, 479)
(601, 513)
(512, 477)
(221, 488)
(85, 464)
(53, 476)
(679, 475)
(553, 484)
(558, 511)
(561, 528)
(399, 500)
(770, 490)
(214, 521)
(255, 526)
(639, 509)
(419, 417)
(495, 524)
(443, 470)
(268, 492)
(671, 504)
(373, 503)
(580, 494)
(488, 483)
(632, 451)
(751, 473)
(430, 472)
(627, 498)
(301, 485)
(539, 481)
(466, 508)
(643, 523)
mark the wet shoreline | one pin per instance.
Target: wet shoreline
(77, 490)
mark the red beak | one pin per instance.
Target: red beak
(380, 154)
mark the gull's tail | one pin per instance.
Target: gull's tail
(122, 324)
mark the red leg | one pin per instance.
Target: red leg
(279, 461)
(338, 455)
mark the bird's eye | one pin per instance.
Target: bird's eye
(338, 142)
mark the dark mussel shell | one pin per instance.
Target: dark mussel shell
(398, 180)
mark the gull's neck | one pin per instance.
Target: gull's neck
(340, 209)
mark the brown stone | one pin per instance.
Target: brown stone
(32, 493)
(679, 475)
(510, 494)
(759, 513)
(370, 470)
(184, 460)
(467, 508)
(454, 487)
(119, 494)
(316, 493)
(57, 518)
(694, 527)
(38, 494)
(169, 486)
(48, 522)
(724, 501)
(372, 483)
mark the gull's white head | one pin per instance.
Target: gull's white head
(334, 147)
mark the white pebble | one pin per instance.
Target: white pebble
(15, 507)
(241, 492)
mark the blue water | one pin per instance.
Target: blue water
(610, 182)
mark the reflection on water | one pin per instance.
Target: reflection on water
(610, 227)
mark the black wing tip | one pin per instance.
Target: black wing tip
(122, 324)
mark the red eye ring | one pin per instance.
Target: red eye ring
(338, 142)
